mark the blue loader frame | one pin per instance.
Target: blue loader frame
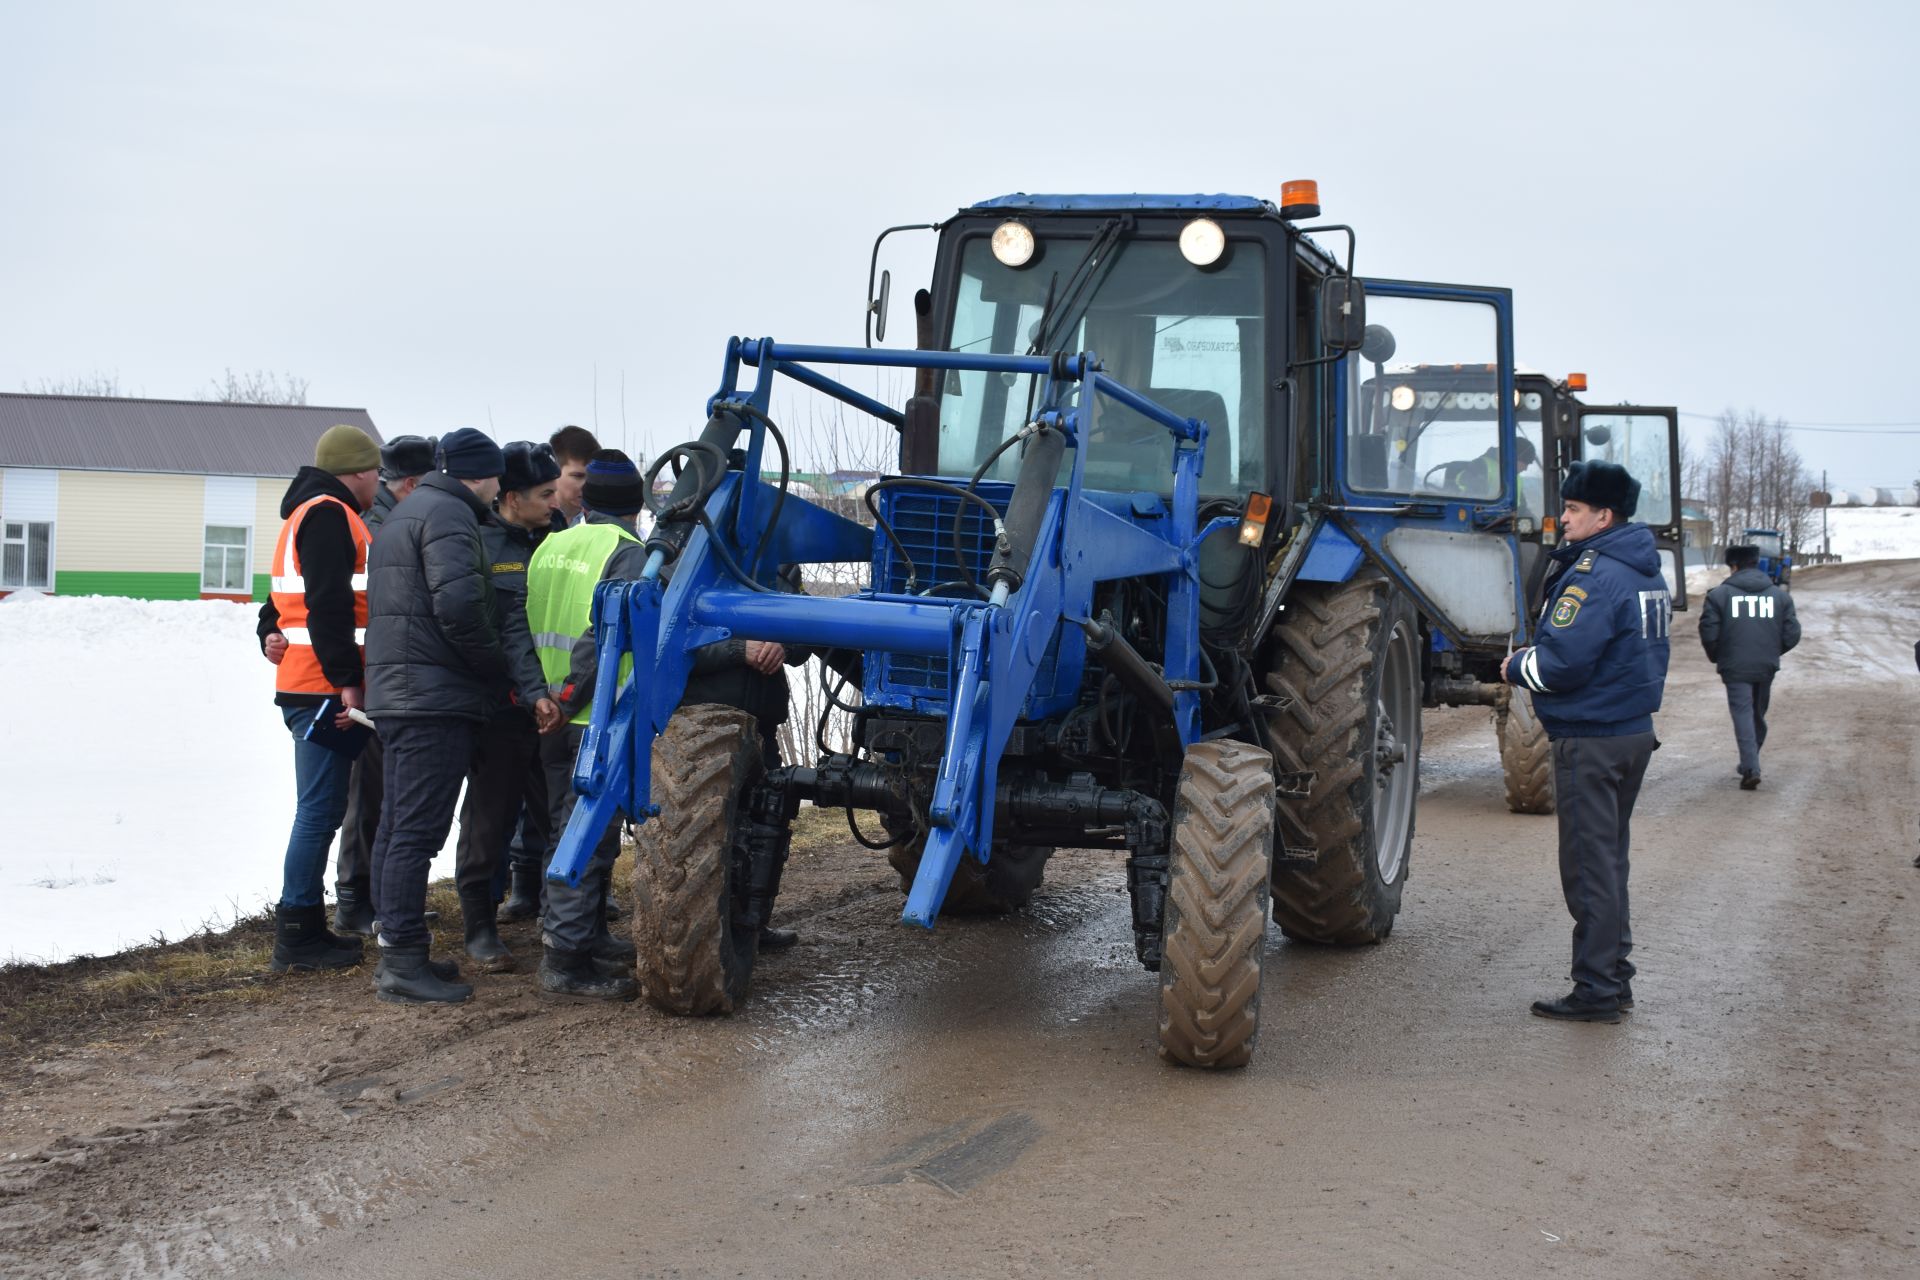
(723, 582)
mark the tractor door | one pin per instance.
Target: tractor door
(1646, 441)
(1426, 458)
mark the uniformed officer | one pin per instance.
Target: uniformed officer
(1596, 671)
(506, 770)
(1745, 625)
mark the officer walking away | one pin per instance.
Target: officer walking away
(311, 627)
(1596, 671)
(583, 959)
(1746, 624)
(403, 460)
(434, 667)
(505, 770)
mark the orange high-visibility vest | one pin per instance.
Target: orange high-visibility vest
(299, 671)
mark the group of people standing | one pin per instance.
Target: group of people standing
(433, 599)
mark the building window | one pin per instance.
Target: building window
(27, 559)
(224, 568)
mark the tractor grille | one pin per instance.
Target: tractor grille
(923, 521)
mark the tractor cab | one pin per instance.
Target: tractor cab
(1775, 562)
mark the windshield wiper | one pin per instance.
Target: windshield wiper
(1082, 284)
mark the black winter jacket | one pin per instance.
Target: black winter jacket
(383, 502)
(1746, 624)
(433, 631)
(509, 548)
(325, 550)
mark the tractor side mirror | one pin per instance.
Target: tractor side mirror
(1343, 313)
(877, 307)
(1599, 435)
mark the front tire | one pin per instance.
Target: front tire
(1526, 756)
(1215, 929)
(1347, 658)
(692, 958)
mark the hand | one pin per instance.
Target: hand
(765, 656)
(1503, 664)
(275, 647)
(350, 697)
(546, 715)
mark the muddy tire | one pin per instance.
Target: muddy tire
(692, 960)
(1006, 883)
(1526, 756)
(1348, 659)
(1215, 929)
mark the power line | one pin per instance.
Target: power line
(1837, 428)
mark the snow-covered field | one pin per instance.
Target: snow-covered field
(146, 778)
(146, 782)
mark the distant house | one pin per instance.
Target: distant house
(158, 499)
(1696, 529)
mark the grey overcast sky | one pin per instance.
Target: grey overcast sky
(452, 213)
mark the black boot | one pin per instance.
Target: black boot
(353, 911)
(606, 945)
(301, 941)
(523, 895)
(576, 975)
(406, 976)
(772, 939)
(483, 935)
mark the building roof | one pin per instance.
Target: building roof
(186, 437)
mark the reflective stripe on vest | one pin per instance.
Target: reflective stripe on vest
(560, 583)
(299, 670)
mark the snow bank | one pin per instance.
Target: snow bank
(1870, 533)
(146, 778)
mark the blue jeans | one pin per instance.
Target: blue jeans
(320, 787)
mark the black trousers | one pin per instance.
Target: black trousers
(506, 773)
(354, 868)
(1597, 781)
(426, 761)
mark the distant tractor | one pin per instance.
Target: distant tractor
(1190, 523)
(1775, 561)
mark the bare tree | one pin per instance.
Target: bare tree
(1754, 478)
(87, 384)
(260, 386)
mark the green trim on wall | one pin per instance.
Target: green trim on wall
(139, 586)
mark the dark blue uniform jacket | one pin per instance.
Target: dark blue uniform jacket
(1599, 658)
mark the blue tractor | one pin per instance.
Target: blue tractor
(1181, 506)
(1775, 561)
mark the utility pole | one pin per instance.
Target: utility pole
(1826, 543)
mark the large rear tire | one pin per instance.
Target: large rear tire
(1215, 930)
(1526, 756)
(1347, 658)
(692, 958)
(1005, 883)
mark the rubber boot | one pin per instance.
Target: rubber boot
(606, 945)
(483, 935)
(772, 939)
(523, 895)
(301, 941)
(575, 975)
(405, 976)
(353, 911)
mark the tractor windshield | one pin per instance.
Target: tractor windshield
(1192, 340)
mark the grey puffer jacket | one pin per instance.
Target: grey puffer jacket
(433, 626)
(1746, 624)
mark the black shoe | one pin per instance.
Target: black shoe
(1571, 1008)
(483, 936)
(301, 942)
(352, 912)
(523, 898)
(1750, 781)
(577, 975)
(1626, 997)
(612, 949)
(772, 939)
(406, 976)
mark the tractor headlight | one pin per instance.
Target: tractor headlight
(1402, 397)
(1524, 524)
(1202, 242)
(1013, 244)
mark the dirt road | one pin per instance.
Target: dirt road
(986, 1100)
